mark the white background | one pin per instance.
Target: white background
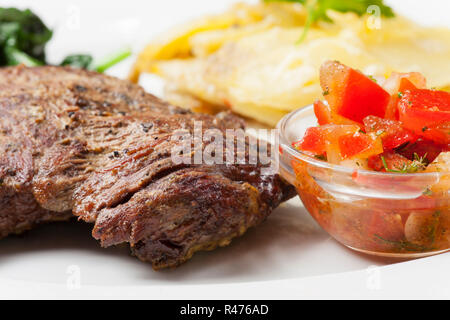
(287, 257)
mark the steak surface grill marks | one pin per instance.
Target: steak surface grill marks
(74, 142)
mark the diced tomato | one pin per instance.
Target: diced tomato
(407, 85)
(375, 163)
(334, 132)
(389, 126)
(359, 145)
(393, 161)
(313, 141)
(391, 132)
(321, 140)
(426, 113)
(325, 115)
(396, 82)
(351, 94)
(339, 142)
(405, 82)
(424, 149)
(322, 112)
(440, 133)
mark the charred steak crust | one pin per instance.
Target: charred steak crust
(77, 141)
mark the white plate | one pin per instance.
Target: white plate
(288, 256)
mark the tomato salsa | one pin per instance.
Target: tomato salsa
(395, 128)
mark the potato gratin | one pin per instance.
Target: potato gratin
(249, 60)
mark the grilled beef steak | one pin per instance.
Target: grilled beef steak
(77, 142)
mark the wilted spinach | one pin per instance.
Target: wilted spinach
(23, 38)
(82, 61)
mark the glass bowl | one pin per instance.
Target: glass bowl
(383, 214)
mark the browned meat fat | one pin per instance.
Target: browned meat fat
(77, 142)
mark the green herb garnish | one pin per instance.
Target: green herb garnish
(317, 9)
(321, 157)
(373, 79)
(427, 192)
(415, 166)
(85, 61)
(402, 245)
(23, 37)
(112, 60)
(82, 61)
